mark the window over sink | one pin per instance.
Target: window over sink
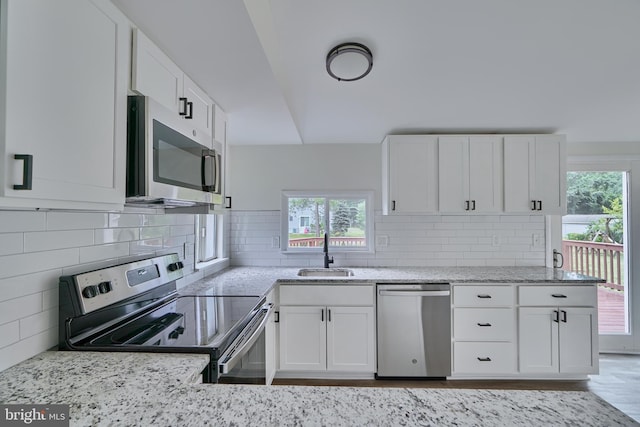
(346, 217)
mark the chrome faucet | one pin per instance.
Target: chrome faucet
(327, 260)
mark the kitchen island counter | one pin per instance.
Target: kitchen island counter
(258, 281)
(159, 389)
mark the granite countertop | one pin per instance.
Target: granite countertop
(257, 281)
(137, 389)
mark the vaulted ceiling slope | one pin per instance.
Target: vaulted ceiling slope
(565, 66)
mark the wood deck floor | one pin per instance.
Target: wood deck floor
(610, 311)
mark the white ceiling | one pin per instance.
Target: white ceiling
(565, 66)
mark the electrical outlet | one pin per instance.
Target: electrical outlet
(382, 241)
(275, 242)
(495, 240)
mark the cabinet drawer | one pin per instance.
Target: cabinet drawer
(483, 295)
(484, 358)
(326, 295)
(483, 324)
(558, 295)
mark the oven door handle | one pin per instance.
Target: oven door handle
(245, 340)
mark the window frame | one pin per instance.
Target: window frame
(217, 241)
(367, 195)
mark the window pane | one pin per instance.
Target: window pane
(306, 222)
(347, 218)
(206, 238)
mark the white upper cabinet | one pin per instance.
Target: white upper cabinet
(63, 120)
(155, 75)
(470, 173)
(535, 174)
(410, 174)
(219, 125)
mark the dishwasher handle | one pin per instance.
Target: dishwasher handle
(412, 293)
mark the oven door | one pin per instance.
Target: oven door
(246, 359)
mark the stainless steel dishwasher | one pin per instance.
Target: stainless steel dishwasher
(414, 330)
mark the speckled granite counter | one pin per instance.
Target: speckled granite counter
(259, 280)
(136, 389)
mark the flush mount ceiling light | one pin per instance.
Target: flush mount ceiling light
(349, 61)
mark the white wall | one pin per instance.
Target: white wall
(258, 174)
(36, 248)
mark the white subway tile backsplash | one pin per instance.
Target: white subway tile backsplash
(126, 220)
(27, 284)
(19, 308)
(113, 235)
(76, 220)
(17, 265)
(38, 323)
(102, 252)
(10, 333)
(17, 221)
(11, 243)
(49, 240)
(26, 348)
(413, 241)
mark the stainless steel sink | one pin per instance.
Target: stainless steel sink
(325, 272)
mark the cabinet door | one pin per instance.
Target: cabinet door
(303, 338)
(219, 125)
(413, 173)
(200, 107)
(549, 185)
(154, 74)
(350, 339)
(486, 173)
(538, 340)
(518, 173)
(453, 173)
(65, 67)
(578, 340)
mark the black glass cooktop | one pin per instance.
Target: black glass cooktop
(185, 321)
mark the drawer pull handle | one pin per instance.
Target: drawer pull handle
(484, 324)
(558, 295)
(484, 296)
(484, 359)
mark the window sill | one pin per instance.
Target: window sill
(218, 262)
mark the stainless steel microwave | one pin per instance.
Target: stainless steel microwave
(169, 163)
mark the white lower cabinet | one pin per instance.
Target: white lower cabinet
(484, 335)
(550, 331)
(484, 358)
(326, 338)
(558, 338)
(331, 338)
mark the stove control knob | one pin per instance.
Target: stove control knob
(90, 291)
(176, 333)
(104, 287)
(175, 266)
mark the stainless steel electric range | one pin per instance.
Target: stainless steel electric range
(135, 307)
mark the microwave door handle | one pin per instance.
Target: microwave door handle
(208, 156)
(218, 173)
